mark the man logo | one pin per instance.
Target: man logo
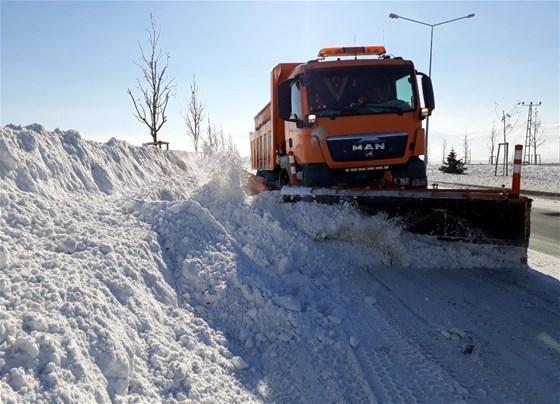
(368, 147)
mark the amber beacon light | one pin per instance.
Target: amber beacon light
(351, 51)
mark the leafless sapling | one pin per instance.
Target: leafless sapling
(506, 118)
(194, 115)
(538, 136)
(210, 140)
(155, 88)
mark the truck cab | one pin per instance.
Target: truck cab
(347, 122)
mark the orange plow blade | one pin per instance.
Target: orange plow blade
(480, 216)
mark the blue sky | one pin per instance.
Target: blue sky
(68, 64)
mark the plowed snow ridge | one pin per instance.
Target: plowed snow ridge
(130, 273)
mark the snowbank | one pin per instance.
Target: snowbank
(130, 274)
(47, 163)
(88, 308)
(544, 178)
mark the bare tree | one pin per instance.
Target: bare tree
(538, 136)
(222, 139)
(194, 115)
(503, 147)
(215, 142)
(155, 90)
(210, 143)
(232, 148)
(492, 143)
(506, 118)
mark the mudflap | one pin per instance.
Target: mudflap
(478, 216)
(256, 184)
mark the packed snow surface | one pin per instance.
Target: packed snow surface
(543, 178)
(135, 275)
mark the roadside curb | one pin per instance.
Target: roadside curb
(551, 195)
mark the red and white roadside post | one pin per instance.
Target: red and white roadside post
(516, 181)
(292, 161)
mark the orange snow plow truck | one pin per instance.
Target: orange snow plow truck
(347, 126)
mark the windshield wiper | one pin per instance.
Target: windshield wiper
(387, 107)
(364, 108)
(331, 113)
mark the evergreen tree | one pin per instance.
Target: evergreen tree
(452, 165)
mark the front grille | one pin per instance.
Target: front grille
(365, 147)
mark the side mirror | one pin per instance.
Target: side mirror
(428, 91)
(285, 101)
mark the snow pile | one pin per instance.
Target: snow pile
(130, 274)
(88, 309)
(544, 178)
(38, 161)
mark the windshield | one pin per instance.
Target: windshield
(360, 90)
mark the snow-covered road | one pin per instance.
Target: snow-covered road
(493, 334)
(128, 274)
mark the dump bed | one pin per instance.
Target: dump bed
(262, 148)
(268, 136)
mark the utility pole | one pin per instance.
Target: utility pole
(530, 140)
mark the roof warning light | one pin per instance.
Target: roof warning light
(351, 51)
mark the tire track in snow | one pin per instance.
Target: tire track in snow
(419, 331)
(364, 380)
(395, 367)
(500, 370)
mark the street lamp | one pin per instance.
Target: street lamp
(395, 16)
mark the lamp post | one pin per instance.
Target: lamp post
(430, 66)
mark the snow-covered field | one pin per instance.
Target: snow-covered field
(543, 178)
(131, 274)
